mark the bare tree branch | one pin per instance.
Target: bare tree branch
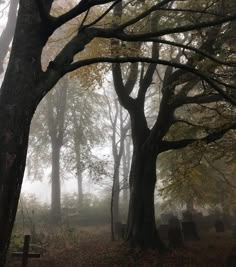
(80, 8)
(169, 145)
(197, 50)
(120, 34)
(144, 14)
(103, 15)
(188, 68)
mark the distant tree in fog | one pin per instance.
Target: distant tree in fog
(26, 84)
(8, 32)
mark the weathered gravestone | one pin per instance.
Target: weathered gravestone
(210, 220)
(228, 222)
(175, 236)
(163, 231)
(202, 223)
(190, 231)
(219, 226)
(189, 227)
(187, 216)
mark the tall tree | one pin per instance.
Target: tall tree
(176, 87)
(20, 96)
(56, 109)
(84, 108)
(119, 128)
(126, 160)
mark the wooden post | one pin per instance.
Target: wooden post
(25, 251)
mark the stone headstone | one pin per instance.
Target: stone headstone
(202, 223)
(228, 222)
(209, 220)
(163, 231)
(190, 232)
(219, 226)
(175, 236)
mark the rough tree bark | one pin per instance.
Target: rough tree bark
(17, 106)
(141, 227)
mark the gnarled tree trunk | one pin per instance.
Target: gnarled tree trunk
(17, 105)
(141, 227)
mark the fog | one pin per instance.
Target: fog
(127, 112)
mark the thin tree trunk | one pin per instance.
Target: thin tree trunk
(77, 135)
(126, 166)
(80, 187)
(116, 195)
(56, 188)
(56, 105)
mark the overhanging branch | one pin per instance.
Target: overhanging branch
(144, 14)
(170, 145)
(188, 68)
(145, 36)
(80, 8)
(197, 50)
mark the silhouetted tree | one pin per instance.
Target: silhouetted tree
(25, 85)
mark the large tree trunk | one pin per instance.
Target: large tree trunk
(56, 188)
(141, 227)
(13, 142)
(17, 106)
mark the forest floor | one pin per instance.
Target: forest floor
(91, 246)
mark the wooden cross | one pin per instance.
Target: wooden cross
(25, 254)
